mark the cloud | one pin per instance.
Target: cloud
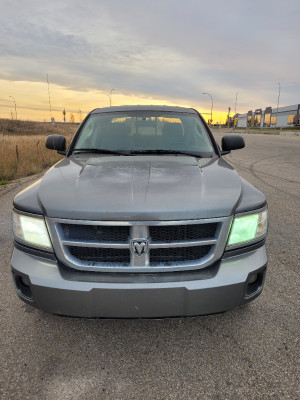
(163, 48)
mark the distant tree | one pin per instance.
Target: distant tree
(79, 115)
(72, 118)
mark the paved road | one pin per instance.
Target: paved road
(249, 353)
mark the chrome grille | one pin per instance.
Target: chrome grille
(139, 246)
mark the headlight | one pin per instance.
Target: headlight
(248, 228)
(31, 231)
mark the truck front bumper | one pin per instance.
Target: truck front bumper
(238, 279)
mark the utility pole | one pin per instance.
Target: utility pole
(49, 98)
(15, 106)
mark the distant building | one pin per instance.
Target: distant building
(270, 117)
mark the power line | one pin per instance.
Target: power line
(42, 108)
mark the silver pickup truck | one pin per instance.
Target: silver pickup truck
(142, 218)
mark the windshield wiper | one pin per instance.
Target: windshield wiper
(136, 152)
(101, 151)
(181, 152)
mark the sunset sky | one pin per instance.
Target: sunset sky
(150, 52)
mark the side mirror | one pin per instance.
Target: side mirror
(232, 142)
(56, 142)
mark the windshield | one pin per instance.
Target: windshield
(135, 132)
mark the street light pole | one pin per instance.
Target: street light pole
(109, 96)
(277, 103)
(235, 102)
(235, 110)
(212, 105)
(15, 106)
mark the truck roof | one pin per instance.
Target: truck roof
(144, 108)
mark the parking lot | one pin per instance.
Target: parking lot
(248, 353)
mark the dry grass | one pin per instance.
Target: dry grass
(22, 147)
(29, 128)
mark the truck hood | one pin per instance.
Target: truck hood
(139, 188)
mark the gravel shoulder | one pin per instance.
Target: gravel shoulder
(19, 184)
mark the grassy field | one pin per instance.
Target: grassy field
(22, 147)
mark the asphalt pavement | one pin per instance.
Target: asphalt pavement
(248, 353)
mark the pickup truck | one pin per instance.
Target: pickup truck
(142, 218)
